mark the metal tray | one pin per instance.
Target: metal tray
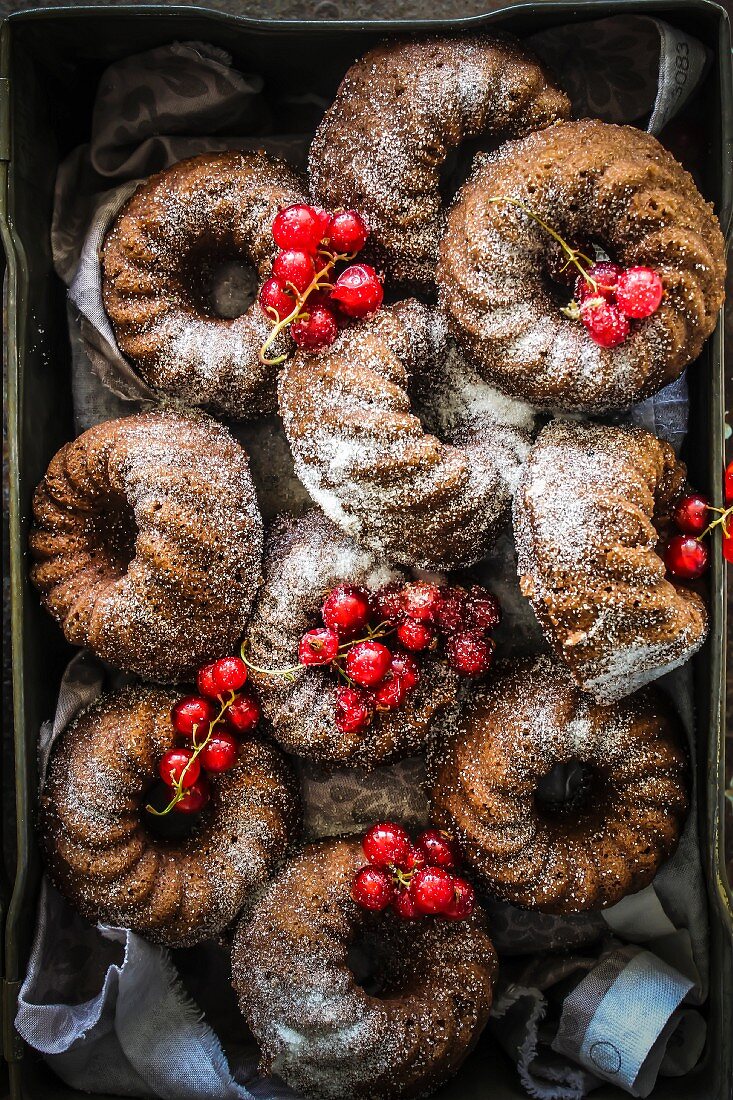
(50, 62)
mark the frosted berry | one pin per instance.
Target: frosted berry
(244, 714)
(179, 766)
(432, 890)
(404, 905)
(386, 843)
(439, 849)
(205, 682)
(195, 798)
(353, 710)
(406, 670)
(316, 330)
(298, 227)
(296, 267)
(390, 694)
(318, 647)
(452, 610)
(415, 636)
(220, 752)
(347, 232)
(421, 601)
(372, 889)
(483, 612)
(275, 300)
(470, 654)
(228, 674)
(686, 557)
(605, 322)
(388, 602)
(639, 291)
(464, 900)
(605, 275)
(691, 514)
(358, 291)
(367, 663)
(346, 610)
(191, 713)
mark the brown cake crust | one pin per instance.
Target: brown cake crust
(102, 857)
(213, 208)
(398, 113)
(529, 718)
(586, 520)
(147, 542)
(367, 460)
(316, 1025)
(304, 560)
(590, 181)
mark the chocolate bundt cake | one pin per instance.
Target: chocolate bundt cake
(147, 542)
(105, 859)
(586, 520)
(590, 181)
(304, 560)
(535, 833)
(296, 971)
(366, 458)
(158, 259)
(399, 113)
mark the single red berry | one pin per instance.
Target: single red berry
(346, 610)
(244, 713)
(686, 557)
(228, 674)
(358, 291)
(728, 542)
(220, 752)
(421, 601)
(298, 227)
(605, 276)
(388, 601)
(294, 267)
(729, 483)
(316, 330)
(639, 291)
(318, 647)
(195, 798)
(353, 710)
(432, 890)
(414, 860)
(605, 322)
(191, 713)
(386, 843)
(367, 663)
(406, 669)
(404, 905)
(415, 636)
(372, 889)
(464, 900)
(390, 694)
(275, 300)
(439, 849)
(452, 610)
(470, 654)
(205, 682)
(347, 231)
(483, 611)
(691, 514)
(179, 766)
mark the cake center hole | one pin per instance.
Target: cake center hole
(172, 827)
(111, 532)
(371, 959)
(228, 289)
(565, 789)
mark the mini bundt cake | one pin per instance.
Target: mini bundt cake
(147, 542)
(399, 113)
(586, 520)
(304, 560)
(366, 458)
(104, 858)
(535, 834)
(590, 181)
(165, 244)
(317, 1025)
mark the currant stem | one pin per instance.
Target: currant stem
(725, 514)
(571, 253)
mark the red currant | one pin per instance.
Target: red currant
(195, 798)
(439, 849)
(729, 483)
(404, 668)
(298, 227)
(432, 890)
(275, 300)
(639, 291)
(605, 322)
(346, 610)
(605, 275)
(452, 610)
(415, 636)
(317, 330)
(470, 654)
(353, 710)
(388, 601)
(358, 291)
(390, 694)
(372, 889)
(190, 714)
(404, 905)
(728, 543)
(691, 514)
(686, 557)
(367, 663)
(227, 674)
(347, 232)
(464, 900)
(386, 843)
(483, 610)
(220, 752)
(421, 601)
(244, 713)
(318, 647)
(179, 766)
(414, 861)
(294, 267)
(205, 683)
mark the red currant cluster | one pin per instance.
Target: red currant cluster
(416, 880)
(609, 297)
(301, 291)
(415, 616)
(686, 555)
(210, 724)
